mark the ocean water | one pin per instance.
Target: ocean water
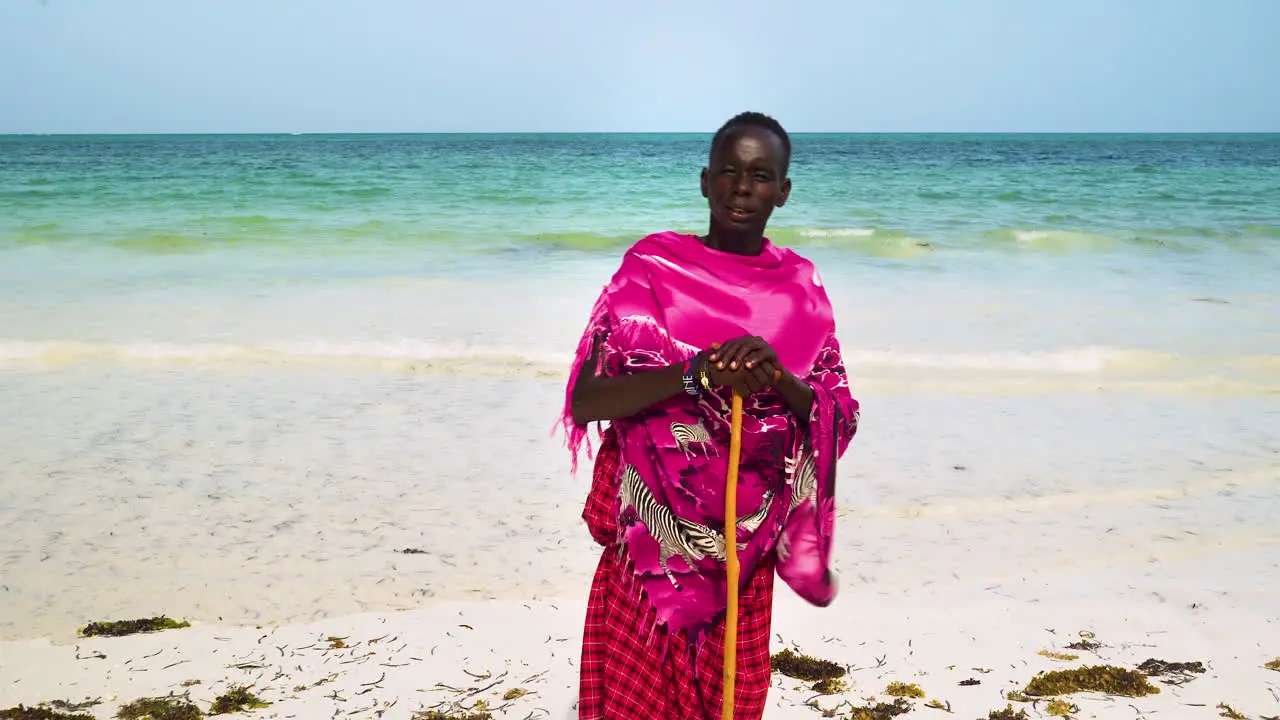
(238, 372)
(1016, 252)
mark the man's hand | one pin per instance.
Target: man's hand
(747, 364)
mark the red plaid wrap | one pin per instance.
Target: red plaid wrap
(634, 670)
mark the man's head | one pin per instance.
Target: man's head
(746, 175)
(759, 121)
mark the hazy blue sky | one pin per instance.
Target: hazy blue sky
(658, 65)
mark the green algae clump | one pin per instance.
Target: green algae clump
(119, 628)
(830, 686)
(1273, 665)
(1106, 679)
(237, 699)
(1230, 712)
(1060, 708)
(479, 711)
(881, 711)
(168, 708)
(804, 667)
(898, 689)
(437, 715)
(22, 712)
(1008, 713)
(1065, 657)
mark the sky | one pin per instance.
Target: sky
(228, 66)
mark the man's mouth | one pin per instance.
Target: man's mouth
(739, 214)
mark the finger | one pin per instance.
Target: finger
(726, 378)
(728, 354)
(718, 349)
(762, 378)
(759, 353)
(773, 370)
(735, 357)
(740, 360)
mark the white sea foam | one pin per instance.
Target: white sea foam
(1100, 364)
(397, 354)
(837, 232)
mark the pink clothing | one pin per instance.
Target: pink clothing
(671, 298)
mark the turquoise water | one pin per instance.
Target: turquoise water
(932, 243)
(945, 193)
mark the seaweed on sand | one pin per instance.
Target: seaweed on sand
(1065, 657)
(1086, 642)
(1180, 672)
(70, 706)
(804, 667)
(159, 708)
(119, 628)
(1154, 667)
(52, 710)
(830, 686)
(1008, 713)
(1273, 665)
(1230, 712)
(882, 711)
(237, 699)
(900, 689)
(479, 711)
(23, 712)
(1061, 708)
(1107, 679)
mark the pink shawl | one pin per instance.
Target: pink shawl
(671, 297)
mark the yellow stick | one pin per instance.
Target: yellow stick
(731, 557)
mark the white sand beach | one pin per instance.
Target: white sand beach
(519, 658)
(975, 531)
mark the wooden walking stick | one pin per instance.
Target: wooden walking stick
(731, 558)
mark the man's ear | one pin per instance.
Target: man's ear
(784, 192)
(703, 182)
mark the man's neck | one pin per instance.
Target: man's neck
(732, 242)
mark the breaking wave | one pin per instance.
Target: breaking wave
(1074, 367)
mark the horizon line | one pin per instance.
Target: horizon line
(793, 133)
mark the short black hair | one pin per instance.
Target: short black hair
(755, 119)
